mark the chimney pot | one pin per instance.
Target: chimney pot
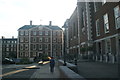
(50, 23)
(31, 22)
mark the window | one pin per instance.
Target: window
(26, 46)
(34, 32)
(7, 49)
(11, 45)
(14, 49)
(40, 32)
(106, 23)
(12, 41)
(34, 47)
(8, 41)
(21, 33)
(46, 32)
(21, 46)
(34, 39)
(26, 54)
(26, 39)
(11, 49)
(40, 46)
(108, 46)
(21, 39)
(117, 16)
(97, 27)
(7, 45)
(54, 33)
(46, 47)
(26, 32)
(83, 14)
(54, 39)
(59, 39)
(34, 54)
(40, 39)
(46, 39)
(21, 54)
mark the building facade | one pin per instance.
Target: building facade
(36, 40)
(107, 31)
(94, 31)
(9, 47)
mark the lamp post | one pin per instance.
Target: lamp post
(65, 26)
(64, 51)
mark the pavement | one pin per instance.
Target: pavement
(86, 69)
(97, 70)
(44, 72)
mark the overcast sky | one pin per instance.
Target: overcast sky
(17, 13)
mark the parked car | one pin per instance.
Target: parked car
(7, 61)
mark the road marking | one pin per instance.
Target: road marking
(46, 62)
(31, 66)
(13, 72)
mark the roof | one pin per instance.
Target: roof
(25, 27)
(55, 28)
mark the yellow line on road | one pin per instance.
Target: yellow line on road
(46, 62)
(13, 72)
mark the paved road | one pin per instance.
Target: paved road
(97, 70)
(13, 72)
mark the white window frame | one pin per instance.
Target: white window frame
(21, 39)
(7, 49)
(26, 32)
(54, 39)
(40, 33)
(54, 33)
(34, 32)
(46, 33)
(98, 27)
(26, 39)
(26, 46)
(106, 23)
(21, 46)
(46, 39)
(34, 39)
(21, 33)
(40, 39)
(40, 46)
(117, 16)
(26, 54)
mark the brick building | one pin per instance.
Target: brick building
(34, 40)
(9, 47)
(94, 31)
(106, 31)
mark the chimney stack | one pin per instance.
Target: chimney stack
(31, 22)
(3, 37)
(50, 23)
(12, 37)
